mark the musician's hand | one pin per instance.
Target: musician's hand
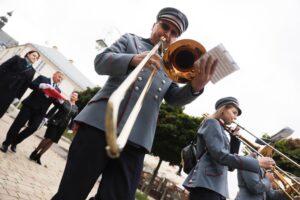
(235, 132)
(204, 69)
(270, 176)
(266, 162)
(154, 61)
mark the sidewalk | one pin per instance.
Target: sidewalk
(21, 178)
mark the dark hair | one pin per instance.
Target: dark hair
(32, 51)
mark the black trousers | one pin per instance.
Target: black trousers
(5, 101)
(204, 194)
(88, 159)
(26, 114)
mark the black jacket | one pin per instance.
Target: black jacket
(37, 99)
(16, 75)
(62, 114)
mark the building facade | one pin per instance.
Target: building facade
(51, 60)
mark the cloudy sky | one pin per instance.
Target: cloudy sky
(261, 35)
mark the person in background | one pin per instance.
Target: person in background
(16, 75)
(59, 117)
(257, 186)
(87, 158)
(208, 179)
(33, 110)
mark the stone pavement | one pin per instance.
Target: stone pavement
(22, 179)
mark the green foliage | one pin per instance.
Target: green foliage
(85, 96)
(291, 148)
(175, 129)
(140, 196)
(265, 136)
(70, 136)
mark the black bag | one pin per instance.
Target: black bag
(189, 156)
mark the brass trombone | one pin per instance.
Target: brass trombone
(178, 62)
(288, 184)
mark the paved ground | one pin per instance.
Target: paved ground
(21, 178)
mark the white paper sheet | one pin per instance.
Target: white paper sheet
(226, 65)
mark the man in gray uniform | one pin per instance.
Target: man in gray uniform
(257, 186)
(87, 156)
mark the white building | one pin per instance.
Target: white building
(51, 60)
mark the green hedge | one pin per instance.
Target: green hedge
(140, 196)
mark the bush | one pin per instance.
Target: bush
(140, 196)
(70, 136)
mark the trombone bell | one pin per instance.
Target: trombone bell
(178, 63)
(179, 58)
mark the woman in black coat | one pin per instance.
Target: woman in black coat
(15, 76)
(59, 117)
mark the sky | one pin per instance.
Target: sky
(262, 36)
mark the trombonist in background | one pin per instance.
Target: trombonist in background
(257, 186)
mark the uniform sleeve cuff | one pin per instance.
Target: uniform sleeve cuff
(197, 93)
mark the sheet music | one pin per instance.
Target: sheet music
(226, 65)
(283, 133)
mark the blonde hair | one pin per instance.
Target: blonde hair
(217, 114)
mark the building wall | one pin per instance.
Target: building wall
(43, 67)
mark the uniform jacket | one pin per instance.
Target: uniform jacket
(37, 99)
(16, 75)
(61, 114)
(255, 186)
(114, 62)
(211, 169)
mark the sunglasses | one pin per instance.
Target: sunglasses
(167, 28)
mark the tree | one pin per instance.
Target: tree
(85, 96)
(175, 130)
(291, 148)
